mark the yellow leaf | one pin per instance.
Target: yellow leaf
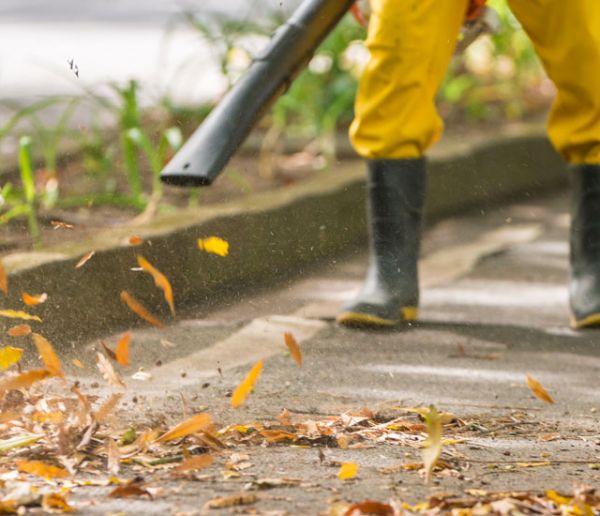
(193, 425)
(214, 245)
(9, 356)
(433, 444)
(538, 389)
(558, 499)
(139, 309)
(55, 502)
(33, 299)
(195, 463)
(48, 355)
(243, 389)
(3, 279)
(23, 380)
(160, 280)
(292, 345)
(18, 314)
(122, 351)
(348, 470)
(19, 331)
(84, 259)
(41, 469)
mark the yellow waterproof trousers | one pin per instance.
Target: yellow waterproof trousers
(411, 43)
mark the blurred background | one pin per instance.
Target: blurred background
(96, 96)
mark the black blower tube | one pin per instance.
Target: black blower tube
(271, 73)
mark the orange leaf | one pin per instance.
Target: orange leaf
(128, 491)
(23, 380)
(55, 502)
(33, 299)
(84, 259)
(160, 280)
(18, 314)
(78, 363)
(19, 331)
(348, 470)
(135, 240)
(193, 425)
(122, 351)
(193, 464)
(105, 410)
(137, 307)
(3, 279)
(41, 469)
(48, 355)
(538, 389)
(243, 389)
(293, 347)
(370, 507)
(108, 371)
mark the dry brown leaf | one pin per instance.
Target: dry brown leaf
(284, 418)
(538, 389)
(58, 224)
(193, 464)
(192, 425)
(129, 491)
(48, 355)
(348, 470)
(245, 387)
(231, 501)
(370, 507)
(55, 502)
(78, 363)
(432, 447)
(41, 469)
(122, 351)
(108, 371)
(135, 240)
(9, 356)
(84, 259)
(33, 299)
(23, 380)
(3, 279)
(139, 309)
(160, 280)
(105, 410)
(113, 457)
(19, 314)
(292, 345)
(111, 354)
(342, 442)
(20, 330)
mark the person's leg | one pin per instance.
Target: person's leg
(566, 36)
(411, 43)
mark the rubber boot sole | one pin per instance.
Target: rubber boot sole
(366, 320)
(590, 321)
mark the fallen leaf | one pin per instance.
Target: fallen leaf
(342, 442)
(348, 470)
(9, 356)
(48, 355)
(111, 354)
(84, 259)
(538, 389)
(243, 389)
(105, 410)
(108, 371)
(122, 351)
(21, 330)
(23, 380)
(193, 425)
(18, 442)
(370, 507)
(78, 363)
(432, 447)
(3, 279)
(292, 345)
(32, 300)
(128, 491)
(113, 457)
(194, 464)
(18, 314)
(284, 417)
(214, 245)
(142, 376)
(55, 502)
(41, 469)
(231, 501)
(139, 309)
(160, 280)
(135, 240)
(57, 224)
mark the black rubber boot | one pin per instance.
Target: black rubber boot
(396, 195)
(584, 285)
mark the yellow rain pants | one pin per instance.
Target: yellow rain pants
(411, 43)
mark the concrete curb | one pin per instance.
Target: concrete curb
(271, 236)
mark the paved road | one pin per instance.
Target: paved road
(494, 308)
